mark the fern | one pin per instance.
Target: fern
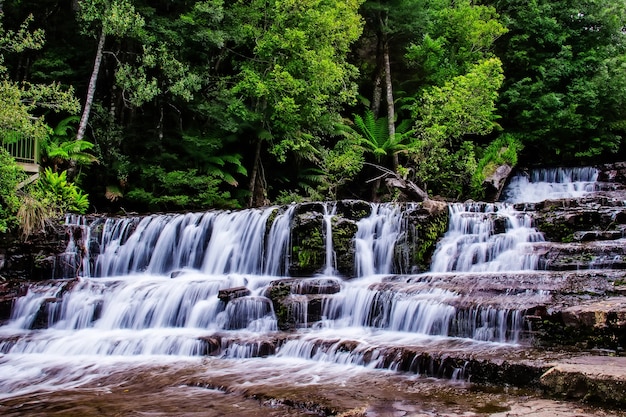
(374, 135)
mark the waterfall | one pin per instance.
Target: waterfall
(375, 239)
(487, 237)
(330, 263)
(550, 183)
(200, 284)
(213, 242)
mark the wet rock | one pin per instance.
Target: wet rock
(307, 240)
(210, 346)
(599, 380)
(322, 285)
(278, 292)
(231, 293)
(494, 183)
(353, 209)
(344, 231)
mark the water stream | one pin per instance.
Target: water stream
(153, 293)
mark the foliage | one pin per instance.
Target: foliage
(61, 147)
(188, 89)
(112, 17)
(503, 150)
(565, 91)
(19, 102)
(443, 162)
(374, 135)
(49, 197)
(60, 195)
(341, 165)
(461, 35)
(18, 41)
(297, 76)
(10, 176)
(178, 189)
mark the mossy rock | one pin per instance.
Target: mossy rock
(344, 231)
(308, 250)
(414, 250)
(353, 209)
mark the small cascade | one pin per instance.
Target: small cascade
(375, 239)
(214, 243)
(331, 260)
(550, 183)
(75, 260)
(486, 238)
(278, 244)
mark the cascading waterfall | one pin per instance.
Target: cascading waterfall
(155, 287)
(214, 243)
(329, 213)
(550, 183)
(486, 238)
(375, 239)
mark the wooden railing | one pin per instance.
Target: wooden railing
(25, 152)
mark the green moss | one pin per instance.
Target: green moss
(310, 250)
(552, 332)
(428, 234)
(557, 232)
(278, 293)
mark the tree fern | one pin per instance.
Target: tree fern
(374, 135)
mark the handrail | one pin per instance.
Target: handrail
(23, 150)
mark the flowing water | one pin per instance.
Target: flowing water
(550, 183)
(151, 304)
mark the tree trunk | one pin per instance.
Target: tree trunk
(391, 113)
(91, 90)
(378, 79)
(254, 173)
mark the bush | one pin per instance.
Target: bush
(51, 196)
(503, 150)
(10, 176)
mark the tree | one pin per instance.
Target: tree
(103, 18)
(457, 78)
(565, 90)
(19, 102)
(10, 176)
(465, 105)
(289, 86)
(392, 24)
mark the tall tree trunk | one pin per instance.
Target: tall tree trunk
(391, 113)
(91, 90)
(255, 172)
(378, 79)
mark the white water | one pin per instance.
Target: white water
(153, 292)
(486, 238)
(331, 259)
(375, 238)
(550, 183)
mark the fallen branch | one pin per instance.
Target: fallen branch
(393, 180)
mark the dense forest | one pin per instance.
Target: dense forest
(171, 105)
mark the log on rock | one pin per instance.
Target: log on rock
(407, 187)
(393, 180)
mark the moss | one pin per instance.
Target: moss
(428, 233)
(556, 231)
(308, 246)
(311, 250)
(343, 244)
(552, 332)
(278, 293)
